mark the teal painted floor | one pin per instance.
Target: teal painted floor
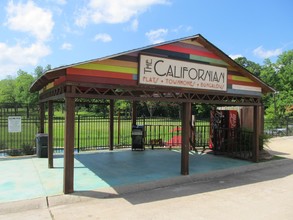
(29, 177)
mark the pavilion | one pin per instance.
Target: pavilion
(188, 70)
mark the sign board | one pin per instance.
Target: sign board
(175, 73)
(14, 124)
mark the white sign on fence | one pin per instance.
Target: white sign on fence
(168, 72)
(14, 124)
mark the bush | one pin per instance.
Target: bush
(14, 152)
(2, 146)
(28, 149)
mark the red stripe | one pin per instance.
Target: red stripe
(230, 82)
(59, 80)
(98, 73)
(99, 80)
(188, 51)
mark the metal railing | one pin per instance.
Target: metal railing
(236, 143)
(279, 127)
(92, 133)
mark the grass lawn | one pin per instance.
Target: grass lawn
(90, 132)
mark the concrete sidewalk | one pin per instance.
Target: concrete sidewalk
(281, 146)
(47, 205)
(99, 171)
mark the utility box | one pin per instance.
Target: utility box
(137, 135)
(42, 145)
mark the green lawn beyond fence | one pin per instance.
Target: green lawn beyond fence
(91, 133)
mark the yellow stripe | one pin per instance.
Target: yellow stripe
(121, 63)
(191, 42)
(241, 78)
(95, 66)
(247, 88)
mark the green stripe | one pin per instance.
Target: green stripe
(241, 78)
(119, 69)
(208, 60)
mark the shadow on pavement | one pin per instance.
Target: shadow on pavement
(132, 173)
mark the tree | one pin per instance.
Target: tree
(21, 88)
(151, 106)
(284, 68)
(39, 70)
(251, 66)
(7, 90)
(269, 74)
(123, 106)
(280, 76)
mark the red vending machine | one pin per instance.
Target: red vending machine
(223, 128)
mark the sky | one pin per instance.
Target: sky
(62, 32)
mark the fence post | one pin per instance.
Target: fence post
(78, 133)
(255, 151)
(111, 125)
(50, 133)
(42, 118)
(27, 111)
(118, 129)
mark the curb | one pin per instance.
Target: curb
(112, 192)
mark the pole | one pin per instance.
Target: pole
(69, 145)
(50, 134)
(185, 135)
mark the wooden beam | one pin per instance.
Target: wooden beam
(134, 112)
(256, 130)
(69, 146)
(185, 135)
(111, 125)
(50, 134)
(42, 117)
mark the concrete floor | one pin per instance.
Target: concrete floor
(28, 177)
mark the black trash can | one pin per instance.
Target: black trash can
(137, 135)
(42, 145)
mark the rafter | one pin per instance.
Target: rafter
(138, 93)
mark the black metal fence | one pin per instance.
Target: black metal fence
(92, 133)
(14, 143)
(236, 143)
(279, 127)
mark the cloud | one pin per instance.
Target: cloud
(34, 21)
(157, 36)
(29, 18)
(234, 56)
(114, 11)
(14, 57)
(262, 53)
(61, 2)
(181, 28)
(134, 25)
(103, 37)
(66, 46)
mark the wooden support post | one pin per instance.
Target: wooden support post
(262, 119)
(185, 134)
(118, 127)
(256, 129)
(42, 117)
(134, 112)
(69, 145)
(50, 134)
(111, 125)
